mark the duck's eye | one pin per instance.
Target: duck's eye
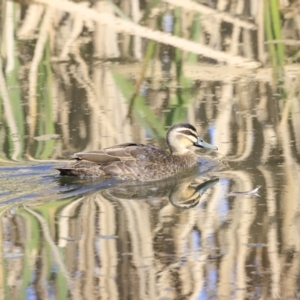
(188, 133)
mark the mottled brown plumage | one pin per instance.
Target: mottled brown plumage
(141, 162)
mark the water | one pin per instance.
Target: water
(201, 236)
(74, 83)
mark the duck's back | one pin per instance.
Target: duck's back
(129, 161)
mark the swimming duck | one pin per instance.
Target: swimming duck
(141, 162)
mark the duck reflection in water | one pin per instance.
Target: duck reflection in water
(183, 194)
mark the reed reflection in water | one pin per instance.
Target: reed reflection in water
(166, 241)
(187, 237)
(110, 243)
(122, 242)
(104, 244)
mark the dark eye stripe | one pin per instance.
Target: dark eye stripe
(187, 132)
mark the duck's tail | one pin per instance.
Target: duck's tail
(94, 171)
(66, 172)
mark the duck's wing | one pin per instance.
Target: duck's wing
(121, 152)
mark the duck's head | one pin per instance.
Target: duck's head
(183, 135)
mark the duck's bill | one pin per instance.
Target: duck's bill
(202, 144)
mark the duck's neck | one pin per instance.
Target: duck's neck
(181, 151)
(185, 159)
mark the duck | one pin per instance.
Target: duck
(131, 161)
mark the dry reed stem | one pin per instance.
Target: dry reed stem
(269, 134)
(108, 252)
(121, 25)
(75, 32)
(292, 95)
(64, 222)
(80, 73)
(247, 44)
(235, 36)
(288, 42)
(9, 37)
(207, 11)
(136, 15)
(243, 232)
(31, 21)
(141, 237)
(223, 119)
(296, 121)
(206, 72)
(113, 111)
(33, 75)
(2, 245)
(105, 37)
(54, 249)
(9, 116)
(87, 258)
(261, 33)
(273, 247)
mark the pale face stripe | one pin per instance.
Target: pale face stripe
(189, 133)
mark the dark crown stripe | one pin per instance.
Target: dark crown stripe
(188, 133)
(184, 125)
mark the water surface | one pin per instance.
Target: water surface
(71, 80)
